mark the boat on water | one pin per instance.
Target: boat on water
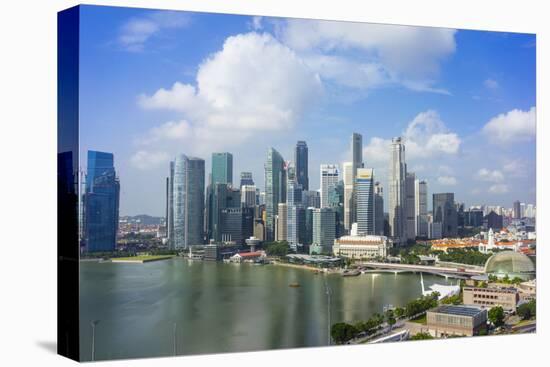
(294, 285)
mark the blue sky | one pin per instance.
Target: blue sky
(157, 83)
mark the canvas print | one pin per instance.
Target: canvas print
(232, 183)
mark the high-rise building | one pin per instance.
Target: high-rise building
(356, 152)
(410, 205)
(329, 177)
(378, 209)
(397, 202)
(323, 229)
(348, 195)
(188, 201)
(248, 196)
(101, 203)
(237, 224)
(246, 179)
(364, 193)
(282, 222)
(336, 203)
(170, 204)
(311, 199)
(222, 168)
(275, 189)
(295, 214)
(444, 212)
(517, 210)
(421, 208)
(301, 159)
(308, 234)
(223, 196)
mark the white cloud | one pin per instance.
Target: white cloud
(498, 189)
(253, 85)
(490, 84)
(426, 135)
(447, 180)
(134, 34)
(408, 55)
(513, 126)
(377, 151)
(144, 160)
(256, 23)
(485, 174)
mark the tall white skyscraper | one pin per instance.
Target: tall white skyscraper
(396, 185)
(421, 207)
(356, 152)
(364, 192)
(329, 177)
(410, 205)
(348, 194)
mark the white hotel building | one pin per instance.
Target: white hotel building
(362, 247)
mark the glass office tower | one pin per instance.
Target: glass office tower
(101, 203)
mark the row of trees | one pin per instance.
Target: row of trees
(277, 248)
(342, 332)
(506, 279)
(469, 256)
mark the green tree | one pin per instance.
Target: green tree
(399, 312)
(496, 316)
(342, 332)
(390, 318)
(421, 336)
(527, 310)
(280, 248)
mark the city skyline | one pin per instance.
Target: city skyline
(466, 103)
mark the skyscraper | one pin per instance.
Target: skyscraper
(295, 214)
(348, 195)
(188, 201)
(396, 207)
(364, 192)
(356, 152)
(170, 203)
(329, 177)
(444, 212)
(246, 179)
(248, 196)
(336, 203)
(517, 209)
(323, 230)
(101, 202)
(282, 213)
(410, 205)
(421, 208)
(222, 168)
(301, 159)
(378, 209)
(275, 189)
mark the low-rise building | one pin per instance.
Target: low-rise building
(247, 256)
(362, 247)
(489, 297)
(448, 320)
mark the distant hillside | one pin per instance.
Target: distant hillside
(144, 219)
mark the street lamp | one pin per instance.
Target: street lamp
(175, 340)
(93, 324)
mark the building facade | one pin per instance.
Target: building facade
(362, 247)
(222, 168)
(301, 159)
(396, 185)
(489, 297)
(444, 212)
(378, 209)
(421, 208)
(329, 177)
(275, 189)
(324, 229)
(364, 192)
(101, 203)
(410, 205)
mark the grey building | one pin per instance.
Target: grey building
(301, 159)
(222, 168)
(275, 189)
(397, 202)
(410, 205)
(324, 229)
(444, 212)
(364, 192)
(188, 201)
(378, 209)
(246, 179)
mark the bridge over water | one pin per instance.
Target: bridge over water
(446, 271)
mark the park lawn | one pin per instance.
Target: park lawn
(419, 319)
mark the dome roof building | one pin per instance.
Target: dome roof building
(511, 263)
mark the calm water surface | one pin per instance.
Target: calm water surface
(220, 307)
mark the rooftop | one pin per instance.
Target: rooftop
(470, 311)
